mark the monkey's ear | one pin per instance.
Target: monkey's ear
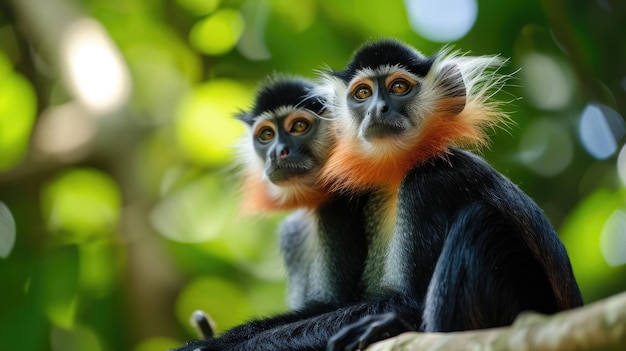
(245, 117)
(452, 88)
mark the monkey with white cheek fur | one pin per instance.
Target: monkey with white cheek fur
(324, 241)
(467, 249)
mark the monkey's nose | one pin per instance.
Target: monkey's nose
(284, 153)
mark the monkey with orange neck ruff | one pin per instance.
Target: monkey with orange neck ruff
(468, 249)
(324, 241)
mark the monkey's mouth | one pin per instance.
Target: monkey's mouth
(383, 129)
(290, 171)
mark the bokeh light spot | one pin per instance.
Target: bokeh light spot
(621, 165)
(17, 114)
(546, 148)
(7, 231)
(218, 33)
(613, 239)
(581, 232)
(443, 20)
(64, 132)
(600, 128)
(194, 213)
(300, 14)
(93, 67)
(205, 126)
(548, 83)
(80, 203)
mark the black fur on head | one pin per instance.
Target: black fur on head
(386, 52)
(281, 91)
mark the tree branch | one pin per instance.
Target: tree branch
(599, 326)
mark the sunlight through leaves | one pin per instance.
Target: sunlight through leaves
(205, 125)
(218, 33)
(582, 234)
(17, 114)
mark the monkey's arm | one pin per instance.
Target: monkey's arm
(252, 328)
(309, 333)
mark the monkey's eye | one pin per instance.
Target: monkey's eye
(362, 93)
(299, 126)
(400, 87)
(266, 135)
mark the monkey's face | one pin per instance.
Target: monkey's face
(381, 104)
(389, 93)
(288, 144)
(389, 107)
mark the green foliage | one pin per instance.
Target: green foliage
(227, 22)
(588, 234)
(205, 127)
(80, 203)
(115, 226)
(17, 114)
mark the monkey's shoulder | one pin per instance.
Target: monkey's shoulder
(454, 166)
(461, 177)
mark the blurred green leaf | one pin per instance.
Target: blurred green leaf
(195, 213)
(221, 299)
(81, 203)
(17, 114)
(7, 231)
(218, 33)
(57, 279)
(199, 7)
(100, 267)
(79, 338)
(299, 14)
(205, 125)
(581, 233)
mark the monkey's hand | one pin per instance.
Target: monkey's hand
(368, 330)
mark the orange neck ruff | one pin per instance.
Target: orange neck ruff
(257, 197)
(348, 168)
